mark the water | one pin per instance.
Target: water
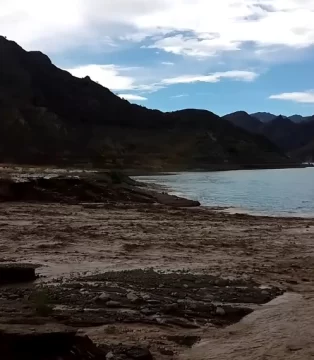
(279, 192)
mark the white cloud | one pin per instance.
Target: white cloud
(306, 97)
(195, 28)
(179, 96)
(193, 46)
(132, 97)
(109, 76)
(118, 78)
(236, 75)
(167, 63)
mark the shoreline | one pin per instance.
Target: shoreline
(152, 275)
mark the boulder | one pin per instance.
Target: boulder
(16, 273)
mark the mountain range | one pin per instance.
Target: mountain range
(295, 138)
(265, 117)
(48, 116)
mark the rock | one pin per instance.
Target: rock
(146, 297)
(147, 311)
(166, 352)
(109, 356)
(17, 273)
(220, 311)
(186, 286)
(139, 354)
(113, 304)
(104, 297)
(169, 308)
(186, 340)
(53, 341)
(153, 302)
(133, 297)
(265, 293)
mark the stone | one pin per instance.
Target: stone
(113, 304)
(17, 273)
(166, 352)
(109, 356)
(220, 311)
(104, 297)
(133, 297)
(147, 311)
(139, 354)
(185, 340)
(53, 341)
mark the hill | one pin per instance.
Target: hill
(295, 138)
(245, 121)
(265, 117)
(49, 116)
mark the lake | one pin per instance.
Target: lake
(279, 192)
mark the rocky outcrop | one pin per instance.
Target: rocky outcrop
(16, 273)
(58, 342)
(96, 188)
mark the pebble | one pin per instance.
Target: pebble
(104, 297)
(133, 297)
(147, 311)
(220, 311)
(113, 303)
(265, 293)
(109, 355)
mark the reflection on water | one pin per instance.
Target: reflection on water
(284, 192)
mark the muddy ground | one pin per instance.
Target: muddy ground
(148, 274)
(216, 269)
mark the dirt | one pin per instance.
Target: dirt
(162, 278)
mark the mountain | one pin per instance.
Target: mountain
(244, 121)
(293, 137)
(280, 130)
(299, 118)
(49, 116)
(264, 117)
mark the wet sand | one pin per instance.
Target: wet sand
(72, 243)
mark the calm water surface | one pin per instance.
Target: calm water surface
(284, 192)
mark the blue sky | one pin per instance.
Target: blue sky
(224, 56)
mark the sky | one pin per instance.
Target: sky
(220, 55)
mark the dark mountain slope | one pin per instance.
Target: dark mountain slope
(264, 117)
(49, 116)
(244, 121)
(296, 138)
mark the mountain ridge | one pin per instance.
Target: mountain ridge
(295, 138)
(47, 115)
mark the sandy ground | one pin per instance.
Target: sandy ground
(69, 240)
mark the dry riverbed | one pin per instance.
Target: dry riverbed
(149, 275)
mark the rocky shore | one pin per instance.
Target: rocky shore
(117, 272)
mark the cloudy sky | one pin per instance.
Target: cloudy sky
(221, 55)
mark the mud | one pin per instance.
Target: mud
(155, 277)
(172, 303)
